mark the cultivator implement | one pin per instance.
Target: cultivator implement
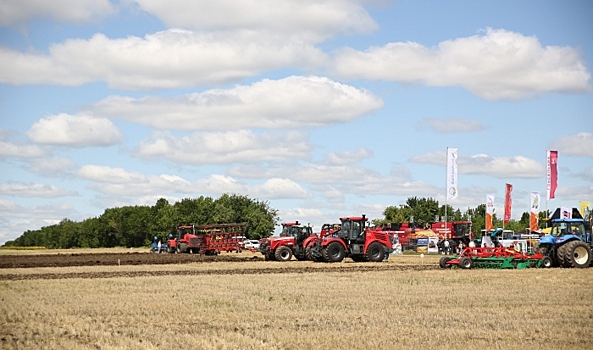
(495, 258)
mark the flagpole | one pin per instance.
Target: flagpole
(446, 186)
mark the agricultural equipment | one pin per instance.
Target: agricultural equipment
(460, 232)
(354, 240)
(291, 242)
(208, 239)
(568, 243)
(154, 247)
(495, 258)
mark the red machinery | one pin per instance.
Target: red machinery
(495, 258)
(290, 242)
(208, 239)
(355, 241)
(458, 231)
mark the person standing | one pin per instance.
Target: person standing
(446, 245)
(159, 245)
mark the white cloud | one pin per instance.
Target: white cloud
(15, 12)
(498, 64)
(75, 131)
(168, 59)
(9, 149)
(344, 158)
(291, 102)
(482, 164)
(21, 189)
(106, 174)
(580, 144)
(243, 146)
(276, 188)
(308, 20)
(449, 125)
(51, 167)
(587, 174)
(582, 193)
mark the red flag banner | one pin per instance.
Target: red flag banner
(552, 173)
(508, 203)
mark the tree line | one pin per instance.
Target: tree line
(136, 226)
(427, 210)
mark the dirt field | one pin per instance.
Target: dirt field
(239, 301)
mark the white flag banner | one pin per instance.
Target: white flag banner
(451, 173)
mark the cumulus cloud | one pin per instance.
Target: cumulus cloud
(51, 167)
(497, 64)
(168, 59)
(152, 185)
(21, 189)
(280, 189)
(449, 125)
(9, 149)
(345, 179)
(16, 12)
(580, 144)
(308, 20)
(243, 146)
(106, 174)
(75, 131)
(482, 164)
(343, 158)
(291, 102)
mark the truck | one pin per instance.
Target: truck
(354, 240)
(568, 243)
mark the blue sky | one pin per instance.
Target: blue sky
(322, 108)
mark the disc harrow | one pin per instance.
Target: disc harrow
(494, 258)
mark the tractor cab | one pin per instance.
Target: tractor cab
(564, 227)
(294, 229)
(352, 228)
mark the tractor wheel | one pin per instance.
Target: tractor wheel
(546, 262)
(308, 254)
(465, 263)
(577, 254)
(334, 252)
(375, 252)
(283, 254)
(183, 248)
(560, 253)
(269, 256)
(171, 250)
(443, 262)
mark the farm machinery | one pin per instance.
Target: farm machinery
(353, 240)
(294, 239)
(207, 239)
(495, 258)
(568, 243)
(157, 246)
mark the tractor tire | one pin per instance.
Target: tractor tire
(283, 253)
(269, 256)
(465, 263)
(577, 254)
(546, 262)
(171, 250)
(308, 254)
(182, 247)
(334, 252)
(443, 262)
(375, 252)
(560, 253)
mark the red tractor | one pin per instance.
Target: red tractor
(185, 241)
(354, 240)
(294, 240)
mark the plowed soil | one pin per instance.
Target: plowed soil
(113, 259)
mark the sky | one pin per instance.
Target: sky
(322, 108)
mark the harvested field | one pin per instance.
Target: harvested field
(248, 303)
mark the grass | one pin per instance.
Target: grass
(446, 309)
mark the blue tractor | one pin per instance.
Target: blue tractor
(568, 243)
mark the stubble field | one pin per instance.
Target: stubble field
(239, 301)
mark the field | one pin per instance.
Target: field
(123, 300)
